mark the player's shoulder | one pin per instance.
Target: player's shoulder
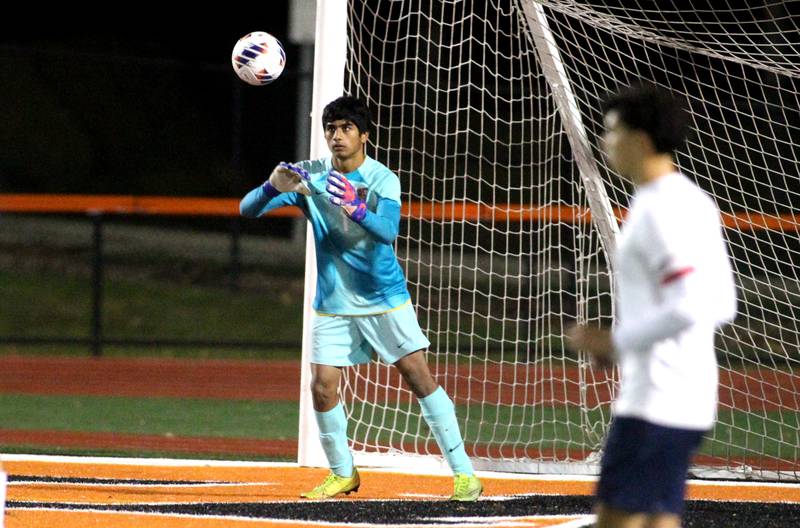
(375, 170)
(693, 196)
(678, 198)
(381, 179)
(675, 188)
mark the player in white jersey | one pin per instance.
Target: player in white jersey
(674, 287)
(362, 305)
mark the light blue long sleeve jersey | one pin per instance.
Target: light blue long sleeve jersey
(357, 269)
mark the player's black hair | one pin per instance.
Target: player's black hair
(351, 109)
(654, 111)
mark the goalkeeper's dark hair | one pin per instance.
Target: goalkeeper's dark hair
(351, 109)
(654, 111)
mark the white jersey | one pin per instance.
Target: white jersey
(674, 288)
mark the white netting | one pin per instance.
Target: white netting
(490, 141)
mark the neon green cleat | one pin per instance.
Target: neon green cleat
(466, 488)
(333, 485)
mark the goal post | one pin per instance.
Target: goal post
(329, 62)
(489, 113)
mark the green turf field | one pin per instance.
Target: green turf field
(168, 417)
(165, 416)
(775, 435)
(45, 304)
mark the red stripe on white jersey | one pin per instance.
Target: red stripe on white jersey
(675, 275)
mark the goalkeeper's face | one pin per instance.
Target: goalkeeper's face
(345, 140)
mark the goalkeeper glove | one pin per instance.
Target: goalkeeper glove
(287, 178)
(344, 195)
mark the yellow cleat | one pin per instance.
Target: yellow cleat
(333, 485)
(466, 488)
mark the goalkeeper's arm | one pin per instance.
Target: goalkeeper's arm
(383, 224)
(285, 178)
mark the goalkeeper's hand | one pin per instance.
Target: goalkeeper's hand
(344, 195)
(288, 178)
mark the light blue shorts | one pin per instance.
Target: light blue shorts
(346, 340)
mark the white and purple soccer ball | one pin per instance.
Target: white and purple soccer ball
(258, 58)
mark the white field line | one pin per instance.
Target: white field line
(171, 462)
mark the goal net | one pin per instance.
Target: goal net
(489, 113)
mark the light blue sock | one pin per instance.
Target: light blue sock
(440, 413)
(333, 436)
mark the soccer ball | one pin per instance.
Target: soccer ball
(258, 58)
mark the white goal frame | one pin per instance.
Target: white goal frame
(441, 95)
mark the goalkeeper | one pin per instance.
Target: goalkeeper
(362, 305)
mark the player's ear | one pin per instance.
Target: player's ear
(365, 136)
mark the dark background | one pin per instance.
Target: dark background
(140, 103)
